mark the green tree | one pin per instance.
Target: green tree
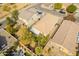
(27, 53)
(9, 26)
(22, 31)
(24, 40)
(23, 35)
(9, 29)
(15, 14)
(38, 50)
(57, 6)
(8, 20)
(41, 39)
(71, 8)
(33, 44)
(43, 42)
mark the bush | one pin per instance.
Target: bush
(33, 44)
(8, 20)
(27, 54)
(38, 50)
(42, 40)
(9, 28)
(71, 8)
(57, 6)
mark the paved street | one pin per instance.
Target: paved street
(50, 11)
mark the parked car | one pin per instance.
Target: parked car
(62, 11)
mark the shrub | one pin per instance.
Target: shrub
(38, 50)
(71, 8)
(57, 6)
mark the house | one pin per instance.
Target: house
(46, 24)
(29, 17)
(6, 40)
(65, 40)
(25, 16)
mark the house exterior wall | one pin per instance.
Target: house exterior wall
(62, 49)
(58, 49)
(35, 31)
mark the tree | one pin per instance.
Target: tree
(8, 20)
(42, 42)
(33, 44)
(22, 31)
(9, 28)
(15, 14)
(24, 41)
(57, 6)
(41, 39)
(71, 8)
(38, 50)
(27, 54)
(23, 35)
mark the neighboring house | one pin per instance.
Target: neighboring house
(46, 24)
(65, 39)
(29, 17)
(6, 40)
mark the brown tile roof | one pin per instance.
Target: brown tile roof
(67, 35)
(47, 23)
